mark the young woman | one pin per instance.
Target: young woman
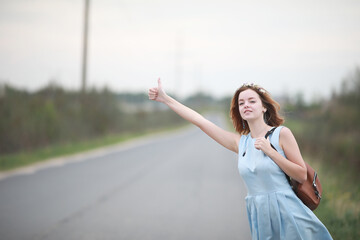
(274, 211)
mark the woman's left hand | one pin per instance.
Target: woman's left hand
(263, 144)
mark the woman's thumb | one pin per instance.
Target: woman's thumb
(159, 84)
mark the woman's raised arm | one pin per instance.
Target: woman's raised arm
(227, 139)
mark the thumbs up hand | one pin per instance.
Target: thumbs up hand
(157, 93)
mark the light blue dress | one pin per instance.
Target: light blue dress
(274, 211)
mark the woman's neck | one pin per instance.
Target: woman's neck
(258, 128)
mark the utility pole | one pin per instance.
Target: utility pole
(85, 46)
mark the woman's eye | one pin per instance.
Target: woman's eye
(241, 104)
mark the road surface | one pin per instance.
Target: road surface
(181, 185)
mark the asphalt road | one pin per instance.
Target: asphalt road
(181, 185)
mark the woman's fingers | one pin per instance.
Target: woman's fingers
(262, 144)
(153, 93)
(153, 90)
(152, 96)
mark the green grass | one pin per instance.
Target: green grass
(339, 209)
(11, 161)
(16, 160)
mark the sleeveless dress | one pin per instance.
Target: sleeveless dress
(273, 209)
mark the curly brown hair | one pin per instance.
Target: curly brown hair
(271, 116)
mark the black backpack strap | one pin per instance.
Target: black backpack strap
(268, 134)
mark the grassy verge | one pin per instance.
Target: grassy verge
(16, 160)
(340, 206)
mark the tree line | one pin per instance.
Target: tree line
(53, 115)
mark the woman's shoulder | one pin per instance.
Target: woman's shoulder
(286, 136)
(285, 131)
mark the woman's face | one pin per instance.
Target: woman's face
(250, 105)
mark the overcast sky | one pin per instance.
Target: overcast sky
(213, 46)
